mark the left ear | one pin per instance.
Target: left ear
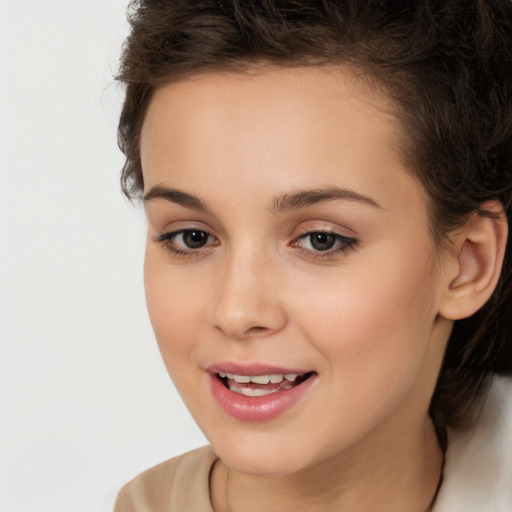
(477, 261)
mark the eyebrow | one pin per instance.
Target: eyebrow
(303, 198)
(280, 204)
(176, 196)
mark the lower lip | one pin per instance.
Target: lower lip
(257, 408)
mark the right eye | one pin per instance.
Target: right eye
(186, 241)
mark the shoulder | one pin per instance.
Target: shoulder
(177, 484)
(478, 468)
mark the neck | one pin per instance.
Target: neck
(402, 476)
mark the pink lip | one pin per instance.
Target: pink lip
(257, 408)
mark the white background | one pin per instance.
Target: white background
(85, 399)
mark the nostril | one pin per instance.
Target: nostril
(256, 329)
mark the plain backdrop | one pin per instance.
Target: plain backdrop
(85, 400)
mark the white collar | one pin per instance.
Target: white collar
(478, 468)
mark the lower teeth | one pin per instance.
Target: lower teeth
(255, 392)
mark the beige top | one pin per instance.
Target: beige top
(176, 485)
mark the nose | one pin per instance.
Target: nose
(248, 300)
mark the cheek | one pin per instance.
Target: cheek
(172, 305)
(373, 322)
(177, 304)
(374, 342)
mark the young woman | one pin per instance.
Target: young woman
(328, 187)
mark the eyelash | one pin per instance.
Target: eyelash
(342, 244)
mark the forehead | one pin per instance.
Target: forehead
(297, 93)
(270, 128)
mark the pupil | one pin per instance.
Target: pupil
(195, 239)
(322, 241)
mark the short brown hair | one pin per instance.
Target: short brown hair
(446, 64)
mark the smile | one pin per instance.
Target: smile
(261, 385)
(258, 393)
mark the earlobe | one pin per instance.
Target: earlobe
(480, 248)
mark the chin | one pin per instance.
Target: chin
(262, 457)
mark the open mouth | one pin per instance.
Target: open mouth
(261, 385)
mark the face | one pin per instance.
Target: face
(291, 280)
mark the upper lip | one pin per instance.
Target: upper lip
(253, 369)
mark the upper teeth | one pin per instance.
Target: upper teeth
(274, 378)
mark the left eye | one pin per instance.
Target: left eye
(323, 241)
